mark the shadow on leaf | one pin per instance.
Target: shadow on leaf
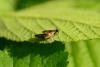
(50, 54)
(21, 4)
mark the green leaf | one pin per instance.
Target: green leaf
(73, 24)
(74, 46)
(26, 54)
(85, 53)
(24, 28)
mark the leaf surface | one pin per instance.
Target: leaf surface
(76, 44)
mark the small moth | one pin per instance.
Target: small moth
(46, 34)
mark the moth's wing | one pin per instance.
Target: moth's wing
(46, 31)
(40, 36)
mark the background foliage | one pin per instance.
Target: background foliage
(76, 44)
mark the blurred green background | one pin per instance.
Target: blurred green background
(20, 20)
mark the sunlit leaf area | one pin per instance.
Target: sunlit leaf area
(49, 33)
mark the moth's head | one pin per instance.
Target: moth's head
(56, 31)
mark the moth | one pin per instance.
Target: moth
(46, 34)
